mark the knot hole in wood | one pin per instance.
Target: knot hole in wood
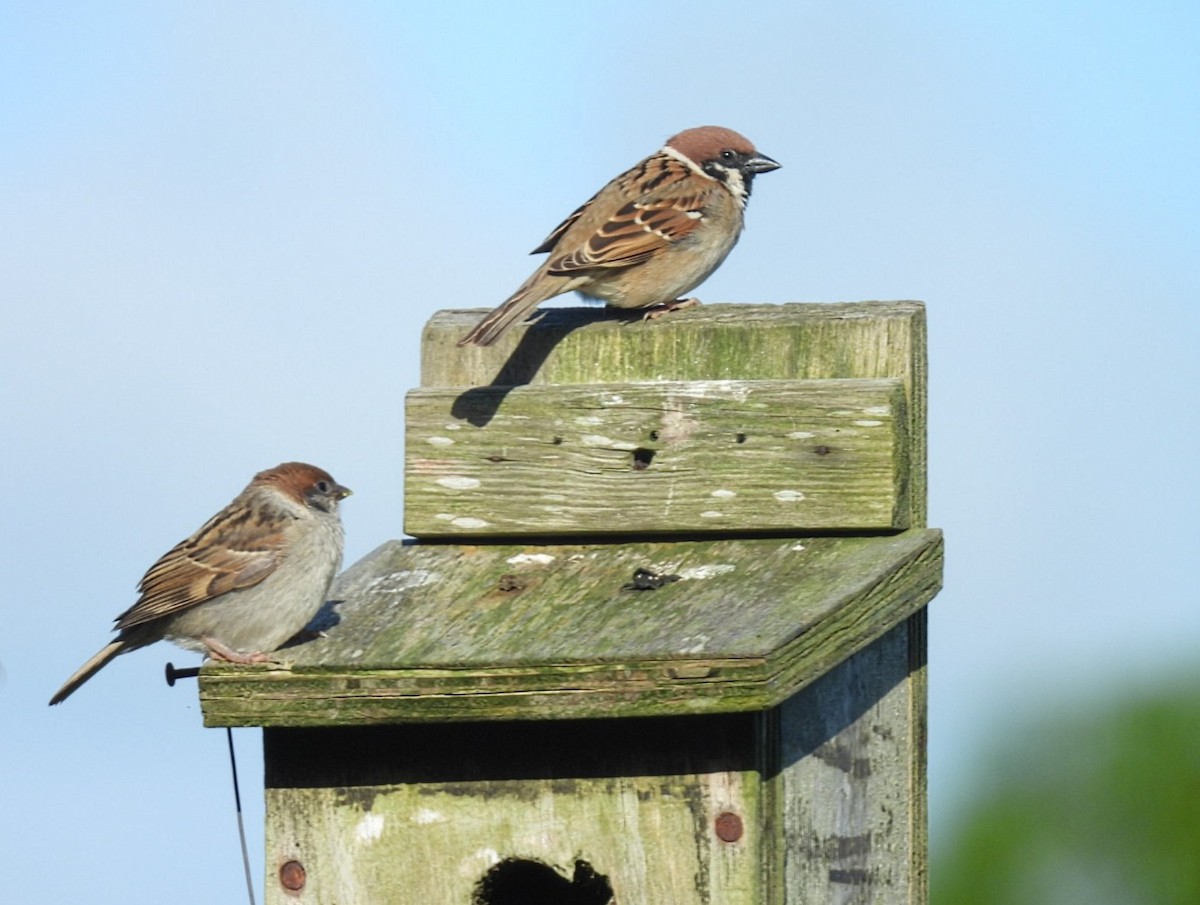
(642, 458)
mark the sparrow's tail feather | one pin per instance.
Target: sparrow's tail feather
(532, 293)
(90, 668)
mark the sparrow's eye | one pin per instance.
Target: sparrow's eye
(728, 156)
(323, 486)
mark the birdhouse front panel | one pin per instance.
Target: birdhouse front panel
(632, 811)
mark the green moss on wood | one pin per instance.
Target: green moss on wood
(440, 632)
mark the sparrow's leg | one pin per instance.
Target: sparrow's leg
(219, 651)
(657, 311)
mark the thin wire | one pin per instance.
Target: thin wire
(237, 800)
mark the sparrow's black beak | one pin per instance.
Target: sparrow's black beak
(760, 163)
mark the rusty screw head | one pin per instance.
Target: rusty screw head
(729, 827)
(292, 876)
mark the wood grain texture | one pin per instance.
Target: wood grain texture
(843, 797)
(447, 632)
(794, 341)
(658, 458)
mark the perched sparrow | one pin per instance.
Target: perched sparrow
(652, 234)
(248, 580)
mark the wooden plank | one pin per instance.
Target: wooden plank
(843, 795)
(791, 341)
(657, 458)
(437, 809)
(431, 632)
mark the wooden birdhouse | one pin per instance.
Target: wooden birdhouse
(661, 639)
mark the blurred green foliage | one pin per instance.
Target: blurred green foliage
(1098, 808)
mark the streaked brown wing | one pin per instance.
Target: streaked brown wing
(234, 549)
(634, 234)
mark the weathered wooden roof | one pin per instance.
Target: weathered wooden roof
(450, 632)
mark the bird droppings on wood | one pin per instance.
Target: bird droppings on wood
(694, 644)
(459, 482)
(702, 573)
(428, 816)
(403, 580)
(541, 559)
(370, 827)
(599, 441)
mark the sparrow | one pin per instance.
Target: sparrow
(654, 233)
(246, 581)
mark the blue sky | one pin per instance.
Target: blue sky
(224, 225)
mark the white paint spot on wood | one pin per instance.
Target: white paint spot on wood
(601, 441)
(439, 441)
(356, 653)
(474, 864)
(796, 548)
(426, 816)
(868, 423)
(404, 580)
(788, 496)
(588, 420)
(452, 427)
(541, 559)
(465, 521)
(445, 516)
(877, 410)
(724, 494)
(699, 573)
(614, 399)
(738, 390)
(370, 827)
(458, 482)
(694, 644)
(712, 513)
(801, 435)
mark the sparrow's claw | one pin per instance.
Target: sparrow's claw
(653, 314)
(219, 651)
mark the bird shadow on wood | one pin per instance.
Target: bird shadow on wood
(478, 405)
(325, 619)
